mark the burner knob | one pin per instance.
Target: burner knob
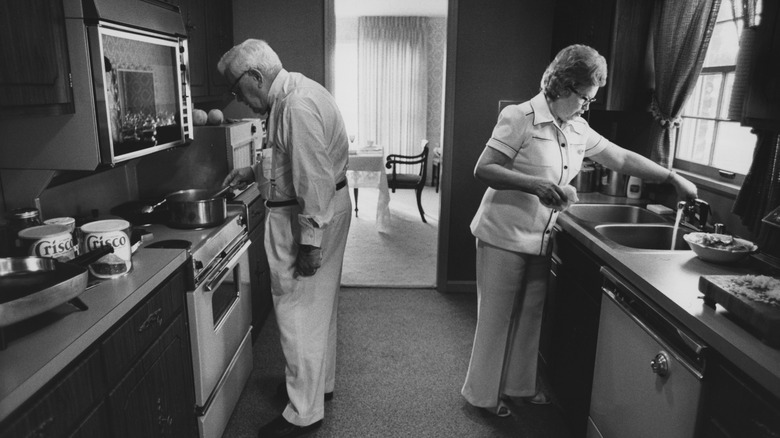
(198, 264)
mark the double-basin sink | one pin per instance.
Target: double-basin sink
(630, 226)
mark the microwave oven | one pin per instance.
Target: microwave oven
(128, 62)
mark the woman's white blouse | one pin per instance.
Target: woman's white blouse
(527, 133)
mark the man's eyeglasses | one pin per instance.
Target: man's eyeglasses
(585, 99)
(233, 88)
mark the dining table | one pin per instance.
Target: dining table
(367, 170)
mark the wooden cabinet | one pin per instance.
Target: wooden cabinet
(35, 72)
(570, 328)
(736, 406)
(209, 25)
(136, 381)
(617, 29)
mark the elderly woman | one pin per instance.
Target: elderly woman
(536, 148)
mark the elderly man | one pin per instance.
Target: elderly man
(307, 221)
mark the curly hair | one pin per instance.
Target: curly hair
(574, 66)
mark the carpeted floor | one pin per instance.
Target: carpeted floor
(402, 357)
(405, 256)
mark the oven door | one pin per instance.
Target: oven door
(220, 313)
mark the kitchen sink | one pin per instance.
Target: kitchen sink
(645, 236)
(611, 213)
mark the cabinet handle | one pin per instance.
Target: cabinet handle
(660, 364)
(40, 430)
(153, 318)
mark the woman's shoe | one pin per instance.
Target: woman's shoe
(540, 398)
(499, 411)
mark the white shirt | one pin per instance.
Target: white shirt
(528, 134)
(310, 150)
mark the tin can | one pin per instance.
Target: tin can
(71, 224)
(114, 232)
(52, 241)
(18, 220)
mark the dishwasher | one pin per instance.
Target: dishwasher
(648, 368)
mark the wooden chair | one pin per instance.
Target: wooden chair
(414, 181)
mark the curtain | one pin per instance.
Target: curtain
(392, 83)
(760, 193)
(681, 35)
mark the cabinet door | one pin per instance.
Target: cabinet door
(34, 72)
(219, 39)
(155, 399)
(193, 13)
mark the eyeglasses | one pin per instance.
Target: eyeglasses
(233, 88)
(585, 99)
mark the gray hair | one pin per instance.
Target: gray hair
(250, 54)
(574, 66)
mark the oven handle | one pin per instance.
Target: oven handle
(233, 258)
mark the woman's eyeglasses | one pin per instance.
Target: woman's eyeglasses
(585, 99)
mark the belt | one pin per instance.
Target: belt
(271, 204)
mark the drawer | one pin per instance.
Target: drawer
(142, 327)
(63, 406)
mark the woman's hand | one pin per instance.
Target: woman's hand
(685, 189)
(239, 178)
(550, 194)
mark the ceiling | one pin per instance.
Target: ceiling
(414, 8)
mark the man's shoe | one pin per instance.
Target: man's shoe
(281, 393)
(281, 428)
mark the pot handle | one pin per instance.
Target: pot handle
(85, 259)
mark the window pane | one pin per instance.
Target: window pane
(727, 88)
(734, 147)
(723, 45)
(692, 102)
(696, 140)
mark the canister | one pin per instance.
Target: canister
(613, 183)
(18, 220)
(71, 224)
(52, 241)
(114, 232)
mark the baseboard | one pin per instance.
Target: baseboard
(459, 287)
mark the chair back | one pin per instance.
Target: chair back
(398, 180)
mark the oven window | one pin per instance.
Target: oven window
(142, 91)
(224, 296)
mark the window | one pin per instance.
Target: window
(708, 143)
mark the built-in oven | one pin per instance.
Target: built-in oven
(648, 371)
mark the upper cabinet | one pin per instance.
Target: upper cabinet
(762, 104)
(617, 29)
(209, 25)
(34, 73)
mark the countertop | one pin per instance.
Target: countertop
(671, 279)
(44, 345)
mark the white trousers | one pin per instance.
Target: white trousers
(306, 307)
(506, 280)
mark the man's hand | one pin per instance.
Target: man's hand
(308, 261)
(239, 178)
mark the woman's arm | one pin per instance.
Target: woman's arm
(493, 168)
(625, 161)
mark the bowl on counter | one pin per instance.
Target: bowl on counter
(719, 248)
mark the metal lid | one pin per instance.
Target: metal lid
(23, 213)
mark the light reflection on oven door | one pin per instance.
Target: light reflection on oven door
(219, 320)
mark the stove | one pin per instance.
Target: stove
(219, 306)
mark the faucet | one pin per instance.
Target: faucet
(695, 213)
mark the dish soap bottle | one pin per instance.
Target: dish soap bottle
(634, 188)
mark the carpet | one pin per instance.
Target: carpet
(404, 256)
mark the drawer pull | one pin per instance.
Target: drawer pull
(153, 318)
(40, 430)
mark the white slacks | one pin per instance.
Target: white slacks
(505, 280)
(306, 307)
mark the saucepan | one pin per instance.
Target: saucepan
(32, 285)
(194, 208)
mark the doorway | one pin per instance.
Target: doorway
(405, 255)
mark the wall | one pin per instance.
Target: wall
(294, 28)
(501, 49)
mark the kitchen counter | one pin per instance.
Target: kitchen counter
(671, 280)
(47, 343)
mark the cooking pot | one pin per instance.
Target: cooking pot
(197, 208)
(613, 183)
(586, 180)
(32, 285)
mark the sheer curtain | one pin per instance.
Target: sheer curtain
(392, 83)
(681, 35)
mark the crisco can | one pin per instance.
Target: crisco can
(52, 241)
(71, 224)
(114, 232)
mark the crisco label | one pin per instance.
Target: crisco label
(116, 239)
(53, 247)
(108, 233)
(52, 241)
